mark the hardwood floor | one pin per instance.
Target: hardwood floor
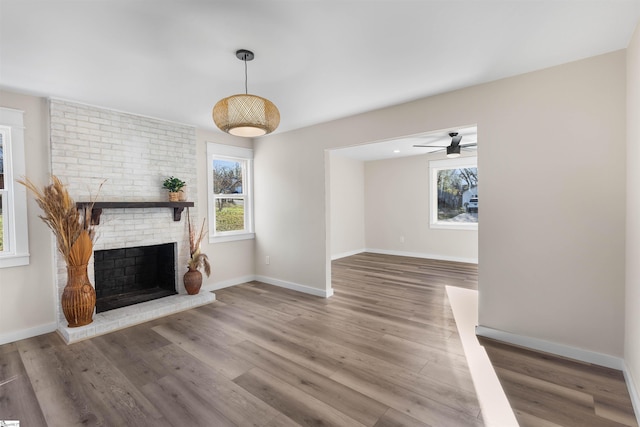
(383, 351)
(545, 390)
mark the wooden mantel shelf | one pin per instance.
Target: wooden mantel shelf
(178, 207)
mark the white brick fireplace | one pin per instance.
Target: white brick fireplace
(132, 155)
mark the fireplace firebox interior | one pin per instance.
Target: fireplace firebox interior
(130, 276)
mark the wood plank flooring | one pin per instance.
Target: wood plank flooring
(383, 351)
(546, 390)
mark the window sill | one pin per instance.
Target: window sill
(14, 260)
(232, 237)
(454, 226)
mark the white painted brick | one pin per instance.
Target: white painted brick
(54, 112)
(66, 121)
(68, 109)
(59, 133)
(90, 144)
(87, 125)
(111, 128)
(102, 121)
(99, 133)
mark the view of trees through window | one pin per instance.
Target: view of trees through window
(458, 195)
(229, 194)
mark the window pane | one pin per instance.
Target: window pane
(229, 214)
(227, 176)
(458, 195)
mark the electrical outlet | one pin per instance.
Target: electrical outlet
(267, 260)
(401, 239)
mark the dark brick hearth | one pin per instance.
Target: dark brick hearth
(132, 275)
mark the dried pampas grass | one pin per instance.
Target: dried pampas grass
(72, 227)
(198, 259)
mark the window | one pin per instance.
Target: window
(454, 193)
(230, 192)
(14, 240)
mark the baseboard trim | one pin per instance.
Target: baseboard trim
(227, 283)
(553, 348)
(423, 255)
(295, 286)
(346, 254)
(270, 281)
(28, 333)
(633, 393)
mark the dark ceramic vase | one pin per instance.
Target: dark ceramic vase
(192, 281)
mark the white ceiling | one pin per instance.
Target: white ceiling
(317, 60)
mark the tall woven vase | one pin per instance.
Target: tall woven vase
(78, 297)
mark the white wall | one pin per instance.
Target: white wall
(27, 295)
(347, 206)
(290, 192)
(553, 272)
(632, 297)
(397, 205)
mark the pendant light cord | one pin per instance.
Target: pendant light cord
(246, 90)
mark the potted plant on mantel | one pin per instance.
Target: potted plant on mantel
(74, 236)
(175, 186)
(193, 277)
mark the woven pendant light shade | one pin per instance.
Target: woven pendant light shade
(246, 115)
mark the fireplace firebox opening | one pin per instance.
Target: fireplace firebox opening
(128, 276)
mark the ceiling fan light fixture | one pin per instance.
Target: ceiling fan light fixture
(453, 151)
(246, 115)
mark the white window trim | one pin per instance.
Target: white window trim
(220, 150)
(434, 167)
(17, 227)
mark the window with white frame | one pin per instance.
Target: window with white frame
(230, 183)
(14, 239)
(454, 193)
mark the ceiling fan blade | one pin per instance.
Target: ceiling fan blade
(469, 145)
(431, 146)
(455, 140)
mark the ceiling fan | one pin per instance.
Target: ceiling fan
(453, 149)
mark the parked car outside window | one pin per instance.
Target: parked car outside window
(473, 205)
